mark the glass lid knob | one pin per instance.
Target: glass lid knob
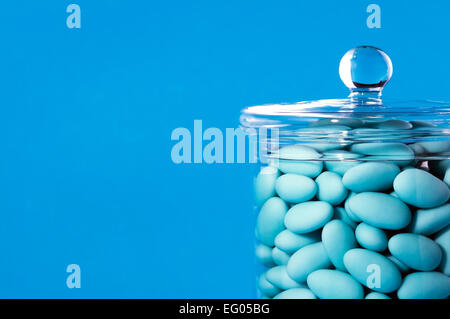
(365, 70)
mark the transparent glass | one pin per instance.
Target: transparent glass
(350, 208)
(353, 198)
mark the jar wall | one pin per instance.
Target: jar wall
(360, 219)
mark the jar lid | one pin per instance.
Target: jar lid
(365, 70)
(361, 117)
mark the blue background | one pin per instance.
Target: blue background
(86, 117)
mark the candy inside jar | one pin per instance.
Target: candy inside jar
(354, 199)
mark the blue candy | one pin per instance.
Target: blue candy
(264, 255)
(371, 176)
(279, 257)
(334, 284)
(308, 217)
(376, 295)
(430, 221)
(270, 220)
(415, 251)
(311, 244)
(306, 260)
(421, 189)
(338, 238)
(330, 188)
(299, 159)
(264, 185)
(435, 147)
(425, 285)
(295, 188)
(397, 153)
(266, 288)
(290, 242)
(443, 240)
(393, 125)
(349, 122)
(380, 210)
(340, 161)
(373, 270)
(296, 293)
(371, 237)
(278, 277)
(350, 214)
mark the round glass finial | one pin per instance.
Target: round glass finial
(365, 69)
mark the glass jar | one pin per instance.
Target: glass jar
(352, 198)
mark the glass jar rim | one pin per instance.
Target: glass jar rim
(286, 115)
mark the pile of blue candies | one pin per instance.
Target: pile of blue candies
(357, 220)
